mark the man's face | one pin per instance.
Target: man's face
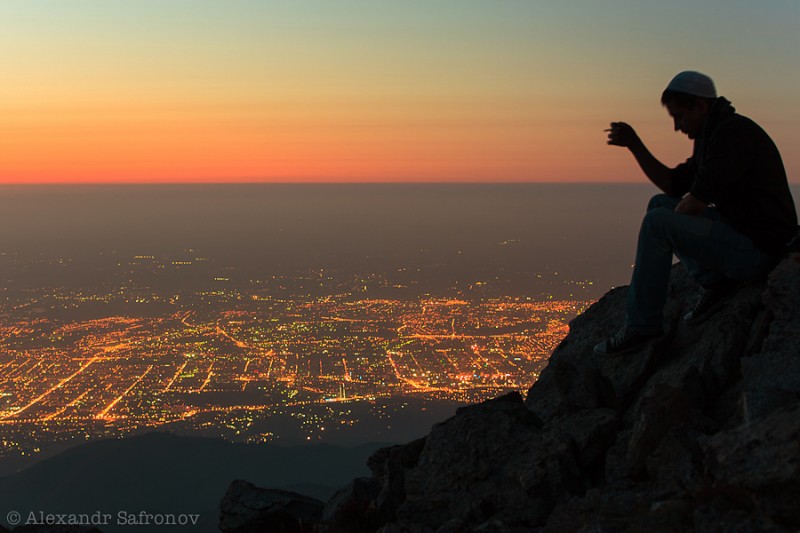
(689, 120)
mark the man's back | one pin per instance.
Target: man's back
(738, 168)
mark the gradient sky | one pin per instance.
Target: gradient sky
(372, 90)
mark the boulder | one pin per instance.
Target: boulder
(352, 509)
(759, 464)
(771, 377)
(389, 466)
(489, 461)
(246, 508)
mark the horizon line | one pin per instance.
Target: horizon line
(399, 182)
(305, 182)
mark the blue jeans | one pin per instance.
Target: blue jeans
(711, 250)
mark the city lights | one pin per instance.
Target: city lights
(223, 362)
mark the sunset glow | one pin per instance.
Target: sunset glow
(246, 91)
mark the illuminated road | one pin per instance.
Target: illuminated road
(51, 389)
(103, 414)
(174, 377)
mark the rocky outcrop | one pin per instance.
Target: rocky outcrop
(700, 431)
(249, 509)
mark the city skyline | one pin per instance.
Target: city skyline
(467, 91)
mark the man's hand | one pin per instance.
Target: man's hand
(622, 134)
(690, 205)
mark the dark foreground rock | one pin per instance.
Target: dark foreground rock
(699, 431)
(249, 509)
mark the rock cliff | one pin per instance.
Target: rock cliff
(700, 431)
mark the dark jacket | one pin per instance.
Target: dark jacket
(738, 168)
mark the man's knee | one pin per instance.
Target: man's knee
(658, 217)
(663, 200)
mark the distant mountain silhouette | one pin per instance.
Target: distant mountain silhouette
(165, 473)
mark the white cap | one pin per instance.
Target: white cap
(694, 83)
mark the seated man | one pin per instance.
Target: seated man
(727, 212)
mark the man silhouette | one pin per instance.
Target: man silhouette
(726, 212)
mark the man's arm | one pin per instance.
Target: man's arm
(622, 134)
(690, 205)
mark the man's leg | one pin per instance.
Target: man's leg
(711, 249)
(697, 272)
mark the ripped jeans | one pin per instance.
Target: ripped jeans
(711, 250)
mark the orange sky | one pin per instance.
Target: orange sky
(413, 91)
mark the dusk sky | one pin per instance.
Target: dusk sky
(345, 90)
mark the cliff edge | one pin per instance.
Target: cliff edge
(700, 431)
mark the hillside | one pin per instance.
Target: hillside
(165, 473)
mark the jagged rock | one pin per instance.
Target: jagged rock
(572, 380)
(705, 360)
(489, 461)
(351, 509)
(761, 463)
(246, 508)
(782, 299)
(677, 463)
(498, 526)
(616, 460)
(663, 410)
(576, 378)
(692, 389)
(590, 432)
(734, 520)
(405, 528)
(771, 379)
(630, 510)
(389, 467)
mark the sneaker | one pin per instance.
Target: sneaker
(624, 341)
(711, 299)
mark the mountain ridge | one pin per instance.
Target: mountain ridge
(192, 473)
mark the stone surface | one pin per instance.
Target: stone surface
(591, 433)
(389, 466)
(770, 381)
(249, 509)
(351, 509)
(761, 463)
(489, 460)
(771, 378)
(621, 510)
(572, 380)
(781, 298)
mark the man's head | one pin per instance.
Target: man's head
(688, 99)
